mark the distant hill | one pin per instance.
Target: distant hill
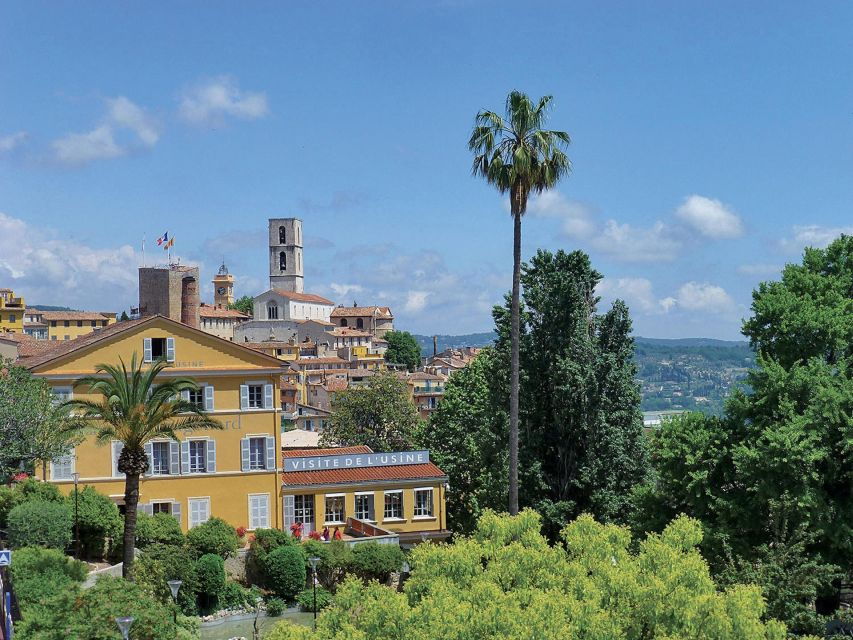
(47, 307)
(690, 342)
(448, 342)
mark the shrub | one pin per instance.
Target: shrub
(235, 596)
(26, 491)
(38, 523)
(374, 561)
(210, 569)
(100, 521)
(91, 613)
(335, 560)
(306, 599)
(40, 574)
(264, 542)
(284, 570)
(160, 563)
(275, 606)
(214, 536)
(160, 528)
(269, 539)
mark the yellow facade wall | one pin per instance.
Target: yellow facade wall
(74, 330)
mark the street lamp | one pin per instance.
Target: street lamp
(124, 626)
(174, 586)
(76, 477)
(314, 561)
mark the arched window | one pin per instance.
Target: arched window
(344, 322)
(282, 237)
(359, 323)
(282, 261)
(272, 311)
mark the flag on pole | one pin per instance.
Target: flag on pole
(163, 238)
(169, 244)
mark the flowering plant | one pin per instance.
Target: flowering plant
(315, 535)
(241, 532)
(296, 529)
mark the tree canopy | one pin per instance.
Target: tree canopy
(403, 349)
(379, 414)
(243, 304)
(506, 581)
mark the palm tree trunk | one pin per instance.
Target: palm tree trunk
(514, 361)
(131, 500)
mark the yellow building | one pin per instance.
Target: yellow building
(231, 474)
(68, 325)
(361, 492)
(11, 312)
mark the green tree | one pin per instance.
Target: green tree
(243, 304)
(40, 524)
(466, 437)
(32, 428)
(99, 521)
(380, 415)
(507, 581)
(134, 409)
(404, 349)
(124, 317)
(518, 156)
(214, 536)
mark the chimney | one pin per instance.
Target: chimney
(434, 346)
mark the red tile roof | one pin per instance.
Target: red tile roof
(303, 297)
(334, 451)
(381, 312)
(206, 311)
(72, 315)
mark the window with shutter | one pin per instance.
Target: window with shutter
(199, 509)
(259, 511)
(270, 453)
(268, 396)
(244, 397)
(208, 397)
(211, 456)
(118, 447)
(288, 510)
(176, 512)
(146, 350)
(170, 349)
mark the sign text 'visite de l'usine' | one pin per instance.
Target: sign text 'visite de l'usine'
(355, 460)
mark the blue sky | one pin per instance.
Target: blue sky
(711, 143)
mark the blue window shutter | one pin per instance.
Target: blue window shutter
(268, 400)
(244, 454)
(174, 458)
(149, 453)
(208, 397)
(244, 397)
(146, 349)
(146, 507)
(185, 456)
(176, 511)
(211, 456)
(289, 512)
(270, 453)
(170, 349)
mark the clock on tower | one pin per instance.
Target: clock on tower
(223, 287)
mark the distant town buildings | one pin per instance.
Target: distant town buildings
(11, 311)
(376, 320)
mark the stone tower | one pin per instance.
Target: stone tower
(223, 287)
(170, 291)
(286, 254)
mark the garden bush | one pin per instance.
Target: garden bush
(335, 560)
(40, 574)
(235, 596)
(275, 606)
(25, 491)
(100, 522)
(306, 598)
(284, 570)
(214, 536)
(159, 563)
(265, 540)
(374, 561)
(210, 569)
(91, 613)
(38, 523)
(160, 528)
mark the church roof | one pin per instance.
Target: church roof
(379, 312)
(302, 297)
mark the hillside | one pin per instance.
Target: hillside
(682, 373)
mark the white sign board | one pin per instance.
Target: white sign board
(5, 557)
(355, 461)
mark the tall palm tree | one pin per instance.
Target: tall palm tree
(133, 410)
(518, 156)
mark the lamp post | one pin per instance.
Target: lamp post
(314, 561)
(174, 587)
(76, 477)
(124, 625)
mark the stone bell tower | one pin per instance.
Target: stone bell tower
(286, 254)
(223, 288)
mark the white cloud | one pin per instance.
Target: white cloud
(701, 296)
(813, 235)
(209, 102)
(343, 290)
(710, 218)
(631, 244)
(47, 268)
(760, 270)
(576, 218)
(77, 149)
(638, 293)
(415, 301)
(12, 141)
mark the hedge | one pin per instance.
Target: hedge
(284, 570)
(214, 536)
(161, 528)
(38, 523)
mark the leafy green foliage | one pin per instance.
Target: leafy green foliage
(336, 558)
(32, 428)
(275, 606)
(210, 569)
(507, 581)
(284, 568)
(40, 574)
(379, 415)
(265, 541)
(20, 492)
(40, 524)
(374, 561)
(214, 536)
(158, 564)
(90, 615)
(99, 520)
(243, 304)
(306, 599)
(233, 595)
(161, 528)
(403, 349)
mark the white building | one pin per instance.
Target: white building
(277, 304)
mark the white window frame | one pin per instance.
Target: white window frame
(343, 498)
(308, 503)
(168, 444)
(431, 514)
(162, 501)
(263, 461)
(371, 494)
(190, 501)
(189, 446)
(265, 524)
(387, 518)
(66, 391)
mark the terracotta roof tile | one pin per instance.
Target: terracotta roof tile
(334, 451)
(67, 346)
(206, 311)
(346, 331)
(380, 312)
(361, 474)
(72, 315)
(302, 297)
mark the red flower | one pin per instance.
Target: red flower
(241, 532)
(314, 535)
(20, 476)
